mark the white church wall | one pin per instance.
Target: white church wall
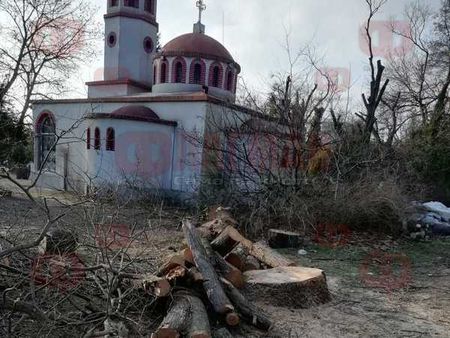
(182, 174)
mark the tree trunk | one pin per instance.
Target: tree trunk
(249, 312)
(224, 268)
(294, 287)
(177, 319)
(268, 256)
(211, 284)
(199, 322)
(230, 237)
(240, 258)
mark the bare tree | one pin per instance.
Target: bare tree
(43, 43)
(377, 87)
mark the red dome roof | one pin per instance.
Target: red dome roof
(197, 44)
(135, 112)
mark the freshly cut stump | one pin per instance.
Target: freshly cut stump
(295, 287)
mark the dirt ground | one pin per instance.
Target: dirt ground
(380, 287)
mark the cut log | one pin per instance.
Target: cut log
(268, 256)
(154, 285)
(173, 262)
(199, 322)
(222, 267)
(248, 311)
(237, 257)
(177, 320)
(280, 239)
(240, 259)
(295, 287)
(216, 295)
(230, 237)
(176, 273)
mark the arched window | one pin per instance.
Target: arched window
(229, 81)
(131, 3)
(110, 139)
(197, 73)
(88, 138)
(163, 75)
(154, 74)
(46, 140)
(97, 141)
(179, 72)
(215, 81)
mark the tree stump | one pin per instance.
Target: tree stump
(295, 287)
(280, 239)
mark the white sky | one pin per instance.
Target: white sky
(254, 32)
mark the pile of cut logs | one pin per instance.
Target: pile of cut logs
(207, 281)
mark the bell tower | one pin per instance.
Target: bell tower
(131, 34)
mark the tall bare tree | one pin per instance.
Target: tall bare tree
(43, 43)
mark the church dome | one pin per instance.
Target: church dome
(196, 62)
(197, 45)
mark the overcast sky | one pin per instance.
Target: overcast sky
(254, 32)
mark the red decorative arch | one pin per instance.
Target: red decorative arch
(41, 117)
(202, 74)
(212, 75)
(174, 68)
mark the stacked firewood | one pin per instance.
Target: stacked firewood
(203, 282)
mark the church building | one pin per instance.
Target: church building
(132, 126)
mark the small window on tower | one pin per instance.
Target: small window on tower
(148, 44)
(131, 3)
(111, 40)
(179, 72)
(149, 6)
(197, 73)
(113, 3)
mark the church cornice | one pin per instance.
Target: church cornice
(147, 18)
